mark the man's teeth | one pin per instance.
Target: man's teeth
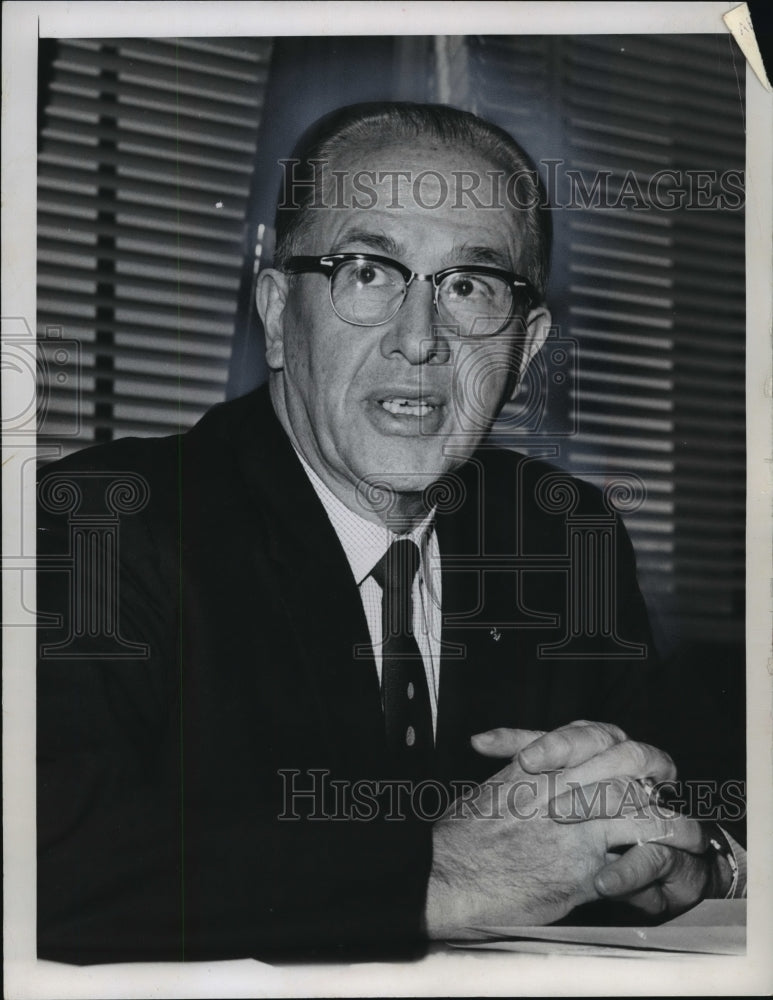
(407, 407)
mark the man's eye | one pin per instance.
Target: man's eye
(475, 288)
(463, 287)
(365, 274)
(470, 287)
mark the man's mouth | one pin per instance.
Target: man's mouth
(401, 406)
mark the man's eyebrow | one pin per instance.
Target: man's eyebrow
(470, 254)
(464, 253)
(373, 241)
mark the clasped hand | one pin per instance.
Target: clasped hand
(567, 821)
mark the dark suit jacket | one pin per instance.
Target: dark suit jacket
(163, 771)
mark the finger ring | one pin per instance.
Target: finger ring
(653, 795)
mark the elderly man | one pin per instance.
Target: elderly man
(332, 716)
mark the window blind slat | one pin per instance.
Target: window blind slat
(62, 224)
(188, 78)
(150, 120)
(142, 285)
(212, 267)
(218, 109)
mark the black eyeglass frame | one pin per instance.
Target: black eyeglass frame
(329, 263)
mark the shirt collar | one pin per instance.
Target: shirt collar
(364, 542)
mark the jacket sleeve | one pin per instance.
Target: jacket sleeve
(109, 858)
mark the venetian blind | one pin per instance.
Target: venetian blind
(649, 283)
(146, 153)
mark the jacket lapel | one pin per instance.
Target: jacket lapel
(316, 586)
(481, 661)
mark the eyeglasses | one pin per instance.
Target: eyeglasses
(368, 290)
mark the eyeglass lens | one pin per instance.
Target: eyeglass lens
(369, 292)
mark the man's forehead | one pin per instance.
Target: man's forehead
(407, 162)
(382, 198)
(391, 148)
(361, 236)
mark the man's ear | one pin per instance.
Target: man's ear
(538, 324)
(271, 299)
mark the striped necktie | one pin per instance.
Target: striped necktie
(405, 695)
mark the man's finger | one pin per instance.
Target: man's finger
(627, 759)
(656, 831)
(680, 876)
(504, 742)
(609, 799)
(569, 746)
(635, 870)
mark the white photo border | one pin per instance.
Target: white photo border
(439, 973)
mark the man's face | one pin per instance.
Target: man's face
(401, 403)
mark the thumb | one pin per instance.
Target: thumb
(504, 742)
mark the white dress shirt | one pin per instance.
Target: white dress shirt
(365, 543)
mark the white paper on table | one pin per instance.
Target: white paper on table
(714, 927)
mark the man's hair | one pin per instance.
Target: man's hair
(370, 125)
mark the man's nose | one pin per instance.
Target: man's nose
(415, 332)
